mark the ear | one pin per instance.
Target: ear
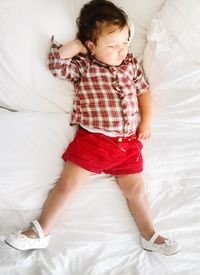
(90, 45)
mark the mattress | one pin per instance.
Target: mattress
(96, 234)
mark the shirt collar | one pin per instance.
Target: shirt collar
(126, 61)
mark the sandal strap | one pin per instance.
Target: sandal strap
(154, 237)
(38, 229)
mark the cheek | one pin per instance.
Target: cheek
(108, 54)
(111, 53)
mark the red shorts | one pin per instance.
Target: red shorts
(102, 154)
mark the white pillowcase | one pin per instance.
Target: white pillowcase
(177, 26)
(26, 83)
(26, 29)
(31, 147)
(171, 67)
(140, 12)
(181, 18)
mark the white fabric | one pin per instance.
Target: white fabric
(141, 13)
(31, 147)
(24, 42)
(178, 27)
(25, 82)
(95, 130)
(181, 18)
(96, 233)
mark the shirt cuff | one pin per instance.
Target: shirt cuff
(55, 46)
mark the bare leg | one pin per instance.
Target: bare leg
(72, 178)
(133, 188)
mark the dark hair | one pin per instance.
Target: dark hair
(95, 15)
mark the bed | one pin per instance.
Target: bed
(96, 235)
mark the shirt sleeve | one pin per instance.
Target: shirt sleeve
(139, 78)
(69, 68)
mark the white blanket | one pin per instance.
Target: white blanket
(96, 235)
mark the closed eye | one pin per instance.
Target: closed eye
(112, 46)
(124, 44)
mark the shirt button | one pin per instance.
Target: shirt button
(119, 139)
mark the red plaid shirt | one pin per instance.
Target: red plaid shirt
(105, 96)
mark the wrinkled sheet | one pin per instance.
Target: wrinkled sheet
(96, 234)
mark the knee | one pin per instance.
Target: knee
(71, 179)
(133, 190)
(67, 185)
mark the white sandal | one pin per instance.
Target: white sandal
(22, 242)
(169, 247)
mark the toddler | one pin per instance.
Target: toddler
(110, 91)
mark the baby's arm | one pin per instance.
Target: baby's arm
(72, 48)
(64, 66)
(144, 127)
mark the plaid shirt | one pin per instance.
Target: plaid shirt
(105, 96)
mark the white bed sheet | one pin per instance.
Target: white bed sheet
(96, 234)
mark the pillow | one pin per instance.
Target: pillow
(31, 147)
(140, 12)
(26, 83)
(174, 80)
(178, 26)
(173, 74)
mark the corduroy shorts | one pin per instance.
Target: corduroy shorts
(99, 153)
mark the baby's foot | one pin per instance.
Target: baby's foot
(30, 234)
(160, 240)
(158, 243)
(29, 239)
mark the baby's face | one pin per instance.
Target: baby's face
(112, 46)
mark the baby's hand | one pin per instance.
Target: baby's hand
(143, 130)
